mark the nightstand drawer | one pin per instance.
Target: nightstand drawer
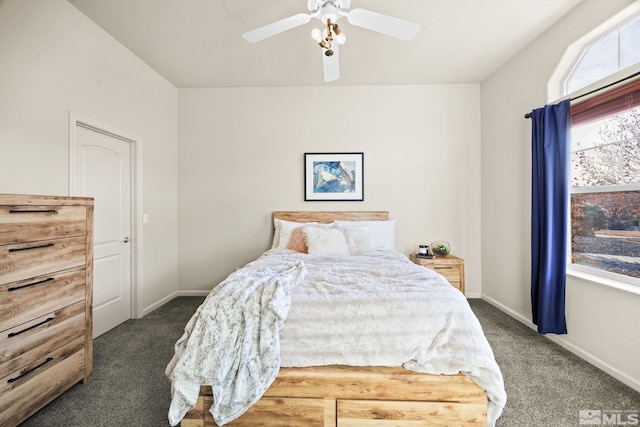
(450, 272)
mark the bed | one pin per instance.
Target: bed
(383, 378)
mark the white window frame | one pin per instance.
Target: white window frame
(556, 87)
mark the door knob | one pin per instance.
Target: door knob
(125, 240)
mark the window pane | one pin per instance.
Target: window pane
(599, 61)
(597, 167)
(605, 231)
(631, 161)
(596, 154)
(629, 44)
(606, 152)
(630, 123)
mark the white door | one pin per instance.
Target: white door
(102, 170)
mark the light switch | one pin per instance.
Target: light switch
(145, 218)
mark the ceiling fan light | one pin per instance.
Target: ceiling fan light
(341, 38)
(316, 34)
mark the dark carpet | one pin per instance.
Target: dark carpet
(546, 385)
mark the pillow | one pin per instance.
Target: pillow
(298, 241)
(358, 239)
(284, 230)
(382, 233)
(325, 241)
(276, 233)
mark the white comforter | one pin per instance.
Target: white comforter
(380, 309)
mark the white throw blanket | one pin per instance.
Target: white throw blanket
(232, 342)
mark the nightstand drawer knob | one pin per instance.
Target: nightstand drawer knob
(442, 268)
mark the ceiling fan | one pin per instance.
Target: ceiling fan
(329, 12)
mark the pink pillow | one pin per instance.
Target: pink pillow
(298, 241)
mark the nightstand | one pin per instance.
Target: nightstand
(450, 266)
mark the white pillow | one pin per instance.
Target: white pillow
(285, 228)
(325, 241)
(382, 233)
(358, 239)
(276, 233)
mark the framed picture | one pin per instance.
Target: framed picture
(334, 176)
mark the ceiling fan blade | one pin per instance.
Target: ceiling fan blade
(331, 64)
(388, 25)
(276, 27)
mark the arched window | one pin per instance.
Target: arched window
(615, 50)
(607, 53)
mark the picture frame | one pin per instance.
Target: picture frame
(334, 177)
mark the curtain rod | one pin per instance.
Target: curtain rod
(528, 115)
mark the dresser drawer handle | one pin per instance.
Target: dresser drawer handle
(48, 245)
(17, 288)
(13, 334)
(443, 268)
(47, 211)
(12, 380)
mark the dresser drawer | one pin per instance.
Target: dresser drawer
(24, 392)
(29, 223)
(35, 339)
(24, 260)
(27, 299)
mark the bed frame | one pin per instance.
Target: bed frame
(348, 396)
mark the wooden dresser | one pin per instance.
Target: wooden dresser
(46, 268)
(451, 267)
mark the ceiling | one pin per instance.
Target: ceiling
(198, 43)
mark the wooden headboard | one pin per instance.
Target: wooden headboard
(330, 216)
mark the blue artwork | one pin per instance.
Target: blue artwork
(334, 177)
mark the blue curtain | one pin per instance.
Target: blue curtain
(550, 146)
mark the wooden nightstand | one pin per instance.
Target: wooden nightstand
(450, 266)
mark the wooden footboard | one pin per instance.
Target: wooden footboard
(347, 396)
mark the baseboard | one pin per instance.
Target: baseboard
(200, 293)
(564, 343)
(157, 304)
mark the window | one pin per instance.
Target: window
(605, 182)
(617, 49)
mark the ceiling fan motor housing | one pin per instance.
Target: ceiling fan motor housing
(329, 9)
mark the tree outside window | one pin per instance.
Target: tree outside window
(605, 199)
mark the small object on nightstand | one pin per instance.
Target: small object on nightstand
(424, 256)
(423, 252)
(440, 248)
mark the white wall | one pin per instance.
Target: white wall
(241, 158)
(54, 60)
(602, 322)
